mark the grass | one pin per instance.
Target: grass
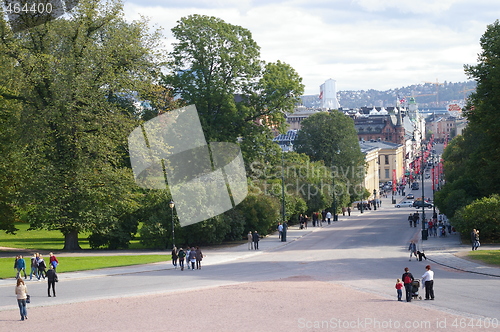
(83, 263)
(490, 257)
(43, 240)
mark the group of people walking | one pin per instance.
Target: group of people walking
(38, 267)
(39, 270)
(193, 257)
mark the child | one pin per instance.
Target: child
(399, 286)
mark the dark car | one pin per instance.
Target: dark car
(410, 196)
(418, 204)
(415, 186)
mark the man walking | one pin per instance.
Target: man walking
(256, 238)
(428, 280)
(413, 249)
(51, 279)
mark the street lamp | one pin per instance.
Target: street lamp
(172, 204)
(284, 224)
(422, 166)
(335, 216)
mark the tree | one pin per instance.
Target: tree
(216, 66)
(73, 73)
(331, 137)
(472, 160)
(483, 130)
(482, 214)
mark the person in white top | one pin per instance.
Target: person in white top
(428, 281)
(22, 294)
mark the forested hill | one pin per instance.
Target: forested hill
(425, 95)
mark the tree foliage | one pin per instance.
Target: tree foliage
(472, 160)
(216, 66)
(73, 73)
(482, 214)
(331, 138)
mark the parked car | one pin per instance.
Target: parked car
(418, 204)
(410, 196)
(404, 204)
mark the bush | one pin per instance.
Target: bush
(482, 214)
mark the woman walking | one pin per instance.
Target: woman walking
(199, 257)
(22, 293)
(174, 257)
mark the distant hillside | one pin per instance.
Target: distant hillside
(425, 95)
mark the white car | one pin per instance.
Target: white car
(404, 204)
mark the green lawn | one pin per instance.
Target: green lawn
(491, 257)
(44, 240)
(82, 263)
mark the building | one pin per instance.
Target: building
(328, 95)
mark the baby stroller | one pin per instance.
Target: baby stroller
(415, 286)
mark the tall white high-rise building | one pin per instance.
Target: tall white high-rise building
(328, 95)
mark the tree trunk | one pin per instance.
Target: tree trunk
(71, 241)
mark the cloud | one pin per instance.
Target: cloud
(362, 44)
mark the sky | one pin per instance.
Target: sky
(362, 44)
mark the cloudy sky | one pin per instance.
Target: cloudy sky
(362, 44)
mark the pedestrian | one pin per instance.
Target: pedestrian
(323, 217)
(428, 283)
(15, 265)
(199, 257)
(349, 211)
(41, 267)
(280, 231)
(188, 254)
(474, 238)
(51, 280)
(192, 257)
(22, 294)
(181, 255)
(410, 219)
(328, 217)
(53, 261)
(306, 220)
(21, 266)
(399, 287)
(413, 249)
(256, 238)
(344, 210)
(250, 240)
(407, 278)
(34, 269)
(174, 257)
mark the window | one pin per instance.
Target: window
(387, 173)
(386, 159)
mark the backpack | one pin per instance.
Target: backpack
(407, 279)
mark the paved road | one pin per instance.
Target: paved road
(361, 254)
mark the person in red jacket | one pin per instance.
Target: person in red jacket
(407, 278)
(53, 261)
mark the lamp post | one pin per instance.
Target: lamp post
(283, 214)
(374, 199)
(335, 216)
(172, 204)
(422, 166)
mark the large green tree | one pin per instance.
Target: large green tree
(331, 137)
(74, 75)
(472, 160)
(216, 66)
